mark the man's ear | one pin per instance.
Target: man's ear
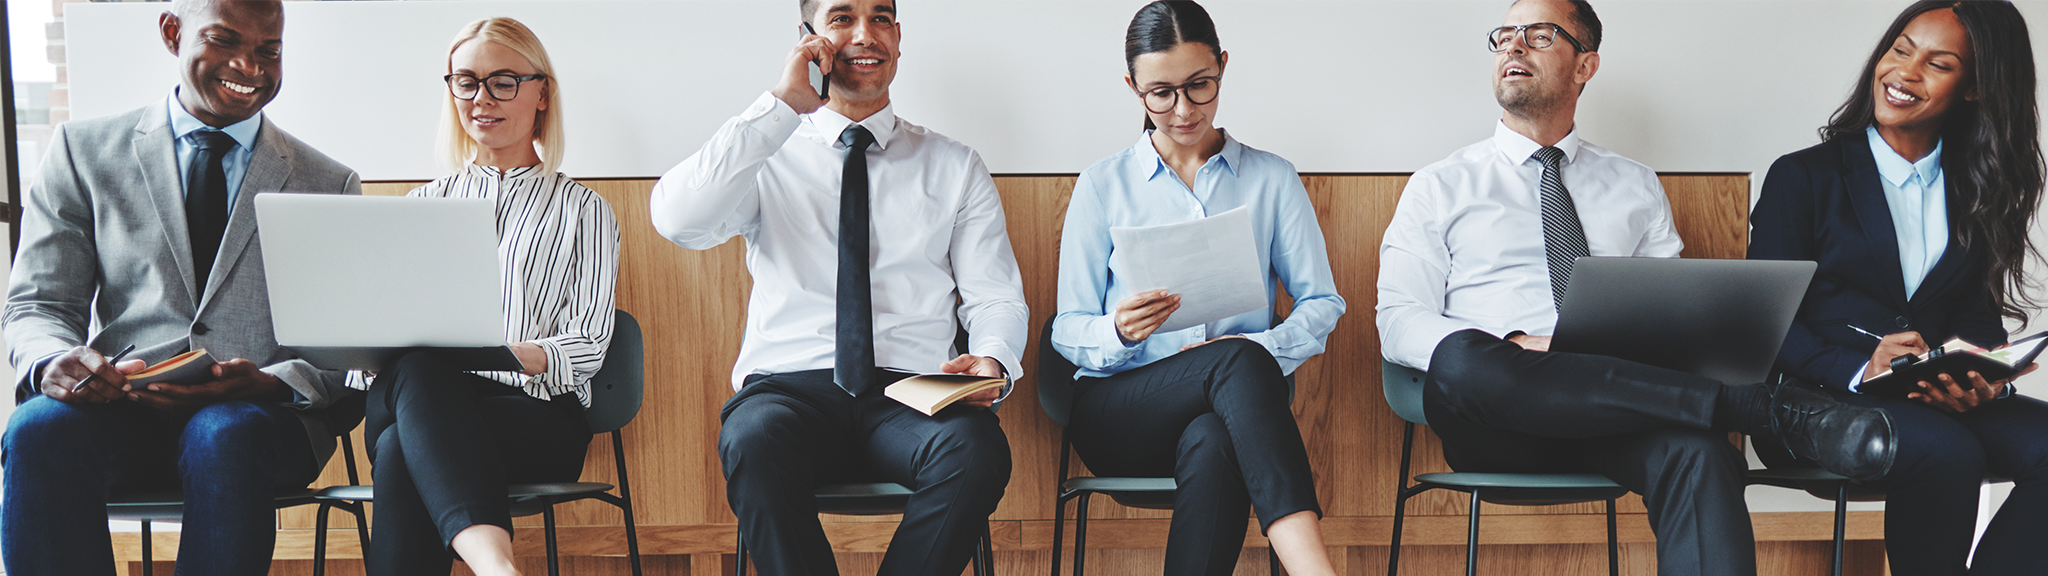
(1589, 64)
(168, 26)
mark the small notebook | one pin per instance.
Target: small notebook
(195, 367)
(930, 393)
(1957, 359)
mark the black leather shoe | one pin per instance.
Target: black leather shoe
(1849, 440)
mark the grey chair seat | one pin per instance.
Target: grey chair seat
(1147, 493)
(863, 499)
(170, 504)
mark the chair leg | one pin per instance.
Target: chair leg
(740, 549)
(1613, 543)
(982, 560)
(148, 564)
(626, 501)
(362, 525)
(1394, 549)
(320, 541)
(1841, 522)
(1081, 533)
(1272, 561)
(1059, 525)
(554, 562)
(1472, 539)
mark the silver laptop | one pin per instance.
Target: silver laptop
(357, 281)
(1723, 319)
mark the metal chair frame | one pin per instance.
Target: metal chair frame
(871, 499)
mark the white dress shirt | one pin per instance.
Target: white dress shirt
(558, 243)
(1465, 248)
(939, 247)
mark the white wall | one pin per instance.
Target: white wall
(1335, 86)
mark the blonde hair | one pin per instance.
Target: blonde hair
(457, 148)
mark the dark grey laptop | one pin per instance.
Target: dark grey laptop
(1723, 319)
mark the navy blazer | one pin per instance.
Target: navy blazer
(1826, 204)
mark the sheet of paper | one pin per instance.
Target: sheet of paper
(1210, 263)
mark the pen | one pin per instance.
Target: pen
(75, 388)
(1865, 332)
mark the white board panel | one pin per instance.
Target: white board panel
(1334, 86)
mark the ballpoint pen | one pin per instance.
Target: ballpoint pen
(75, 388)
(1865, 332)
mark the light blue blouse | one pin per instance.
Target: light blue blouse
(1918, 196)
(1135, 187)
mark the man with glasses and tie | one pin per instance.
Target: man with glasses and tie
(141, 232)
(1474, 264)
(867, 236)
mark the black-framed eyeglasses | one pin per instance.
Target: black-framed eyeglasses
(1199, 91)
(501, 86)
(1536, 36)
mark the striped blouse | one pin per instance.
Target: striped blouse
(559, 244)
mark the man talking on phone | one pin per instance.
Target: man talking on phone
(867, 237)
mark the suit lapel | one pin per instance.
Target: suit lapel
(1874, 216)
(157, 154)
(269, 166)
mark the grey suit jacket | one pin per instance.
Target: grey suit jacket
(106, 259)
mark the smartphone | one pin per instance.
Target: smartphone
(819, 81)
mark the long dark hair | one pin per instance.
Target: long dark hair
(1992, 145)
(1164, 24)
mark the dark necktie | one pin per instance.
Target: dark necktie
(1563, 238)
(853, 366)
(206, 200)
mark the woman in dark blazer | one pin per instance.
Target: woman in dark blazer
(1916, 207)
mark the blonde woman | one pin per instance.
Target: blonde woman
(445, 443)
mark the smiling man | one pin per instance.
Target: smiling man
(1473, 264)
(141, 231)
(867, 237)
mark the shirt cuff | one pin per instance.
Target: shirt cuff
(1856, 380)
(771, 115)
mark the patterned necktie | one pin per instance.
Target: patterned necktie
(1563, 238)
(853, 365)
(206, 200)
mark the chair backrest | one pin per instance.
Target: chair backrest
(616, 390)
(1055, 378)
(1403, 386)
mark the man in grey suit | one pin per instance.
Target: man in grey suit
(142, 231)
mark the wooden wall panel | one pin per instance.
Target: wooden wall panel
(691, 305)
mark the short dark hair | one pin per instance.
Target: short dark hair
(1582, 15)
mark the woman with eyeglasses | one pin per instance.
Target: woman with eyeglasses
(446, 443)
(1209, 404)
(1917, 205)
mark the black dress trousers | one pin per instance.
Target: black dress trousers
(444, 444)
(1216, 419)
(1499, 408)
(784, 435)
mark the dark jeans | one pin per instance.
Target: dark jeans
(784, 435)
(1499, 408)
(1931, 493)
(1216, 418)
(61, 461)
(444, 445)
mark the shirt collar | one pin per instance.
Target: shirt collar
(830, 124)
(515, 173)
(1895, 169)
(1151, 165)
(183, 124)
(1517, 148)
